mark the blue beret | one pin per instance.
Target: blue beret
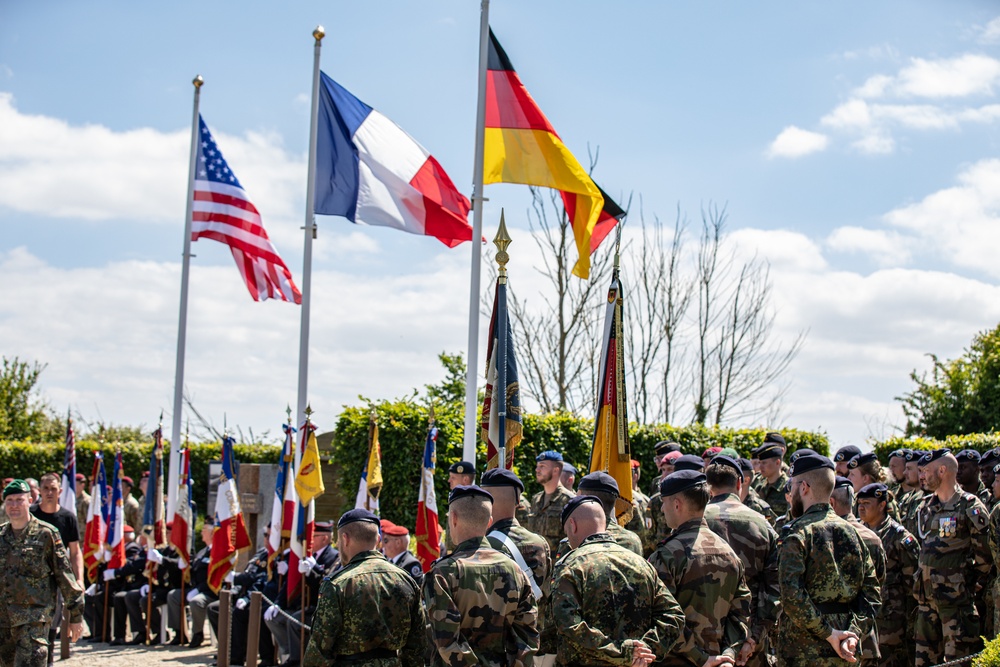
(846, 453)
(878, 491)
(990, 458)
(969, 455)
(355, 515)
(666, 446)
(841, 482)
(776, 438)
(463, 468)
(567, 467)
(801, 452)
(747, 465)
(690, 462)
(575, 502)
(601, 482)
(16, 486)
(810, 462)
(549, 455)
(913, 454)
(862, 460)
(901, 453)
(501, 477)
(682, 480)
(724, 460)
(770, 451)
(462, 491)
(932, 456)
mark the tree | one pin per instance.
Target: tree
(961, 396)
(23, 414)
(452, 388)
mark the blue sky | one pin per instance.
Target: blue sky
(856, 146)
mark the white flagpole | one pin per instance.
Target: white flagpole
(310, 234)
(472, 370)
(175, 437)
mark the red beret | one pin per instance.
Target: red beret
(80, 477)
(128, 529)
(711, 451)
(391, 529)
(635, 464)
(128, 480)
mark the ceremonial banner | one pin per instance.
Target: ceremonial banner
(97, 519)
(427, 532)
(309, 477)
(230, 534)
(181, 531)
(116, 524)
(67, 496)
(278, 535)
(303, 523)
(371, 477)
(153, 524)
(500, 351)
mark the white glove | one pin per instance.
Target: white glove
(241, 604)
(91, 590)
(230, 577)
(306, 564)
(109, 574)
(181, 563)
(283, 568)
(271, 612)
(144, 590)
(192, 594)
(154, 556)
(107, 555)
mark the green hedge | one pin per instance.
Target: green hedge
(981, 442)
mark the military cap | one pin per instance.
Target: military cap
(689, 462)
(635, 464)
(568, 467)
(128, 480)
(724, 460)
(878, 491)
(730, 452)
(846, 453)
(990, 458)
(80, 477)
(811, 462)
(128, 529)
(393, 530)
(599, 481)
(666, 446)
(145, 474)
(901, 453)
(775, 438)
(770, 451)
(463, 468)
(969, 455)
(933, 455)
(209, 521)
(996, 469)
(711, 451)
(16, 486)
(754, 453)
(788, 487)
(842, 482)
(913, 454)
(324, 527)
(549, 455)
(354, 516)
(801, 452)
(574, 503)
(862, 460)
(746, 465)
(682, 480)
(463, 491)
(501, 477)
(672, 456)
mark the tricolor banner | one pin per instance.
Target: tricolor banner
(181, 531)
(230, 535)
(115, 540)
(277, 537)
(428, 533)
(97, 522)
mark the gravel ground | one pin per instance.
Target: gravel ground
(84, 653)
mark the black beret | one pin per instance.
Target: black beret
(932, 456)
(724, 460)
(746, 465)
(811, 462)
(969, 455)
(901, 453)
(878, 491)
(682, 480)
(501, 477)
(575, 502)
(996, 469)
(788, 487)
(841, 482)
(599, 481)
(355, 515)
(463, 468)
(862, 460)
(462, 491)
(754, 452)
(568, 467)
(913, 454)
(774, 437)
(16, 486)
(770, 451)
(846, 453)
(327, 526)
(801, 452)
(991, 457)
(209, 521)
(689, 462)
(665, 446)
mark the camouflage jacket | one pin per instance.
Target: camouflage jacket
(533, 548)
(523, 512)
(901, 553)
(604, 599)
(546, 515)
(133, 513)
(368, 605)
(706, 576)
(622, 536)
(994, 539)
(640, 523)
(660, 529)
(480, 608)
(908, 503)
(774, 494)
(955, 555)
(870, 652)
(757, 504)
(82, 507)
(36, 565)
(755, 542)
(828, 583)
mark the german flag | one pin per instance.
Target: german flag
(522, 147)
(610, 216)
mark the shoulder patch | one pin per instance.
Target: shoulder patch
(980, 519)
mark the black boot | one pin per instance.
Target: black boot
(176, 641)
(138, 639)
(197, 640)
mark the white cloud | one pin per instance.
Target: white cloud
(884, 247)
(794, 142)
(874, 143)
(990, 33)
(875, 86)
(853, 114)
(969, 74)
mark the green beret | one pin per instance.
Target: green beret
(17, 486)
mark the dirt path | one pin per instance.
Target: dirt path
(102, 655)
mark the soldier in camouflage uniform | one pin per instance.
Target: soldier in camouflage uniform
(829, 592)
(133, 513)
(479, 604)
(786, 518)
(609, 607)
(705, 575)
(36, 565)
(843, 457)
(665, 452)
(749, 497)
(772, 480)
(369, 611)
(913, 493)
(755, 542)
(895, 619)
(460, 473)
(897, 467)
(986, 475)
(547, 504)
(604, 487)
(968, 478)
(954, 561)
(640, 523)
(995, 547)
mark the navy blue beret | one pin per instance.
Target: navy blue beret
(901, 453)
(666, 446)
(932, 456)
(689, 462)
(569, 467)
(463, 491)
(724, 460)
(355, 515)
(599, 481)
(682, 480)
(801, 452)
(862, 460)
(771, 450)
(574, 503)
(463, 468)
(991, 457)
(913, 454)
(846, 453)
(774, 437)
(811, 462)
(969, 455)
(878, 491)
(841, 482)
(501, 477)
(747, 465)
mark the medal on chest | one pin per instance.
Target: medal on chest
(948, 526)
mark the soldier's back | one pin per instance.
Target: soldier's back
(546, 515)
(895, 618)
(533, 548)
(757, 504)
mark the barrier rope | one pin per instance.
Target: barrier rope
(281, 611)
(960, 661)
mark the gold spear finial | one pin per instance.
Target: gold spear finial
(501, 241)
(288, 411)
(198, 81)
(430, 418)
(319, 33)
(308, 411)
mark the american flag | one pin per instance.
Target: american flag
(67, 497)
(223, 212)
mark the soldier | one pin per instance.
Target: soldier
(968, 474)
(663, 457)
(895, 627)
(197, 596)
(462, 473)
(995, 546)
(36, 565)
(755, 542)
(864, 469)
(897, 467)
(986, 474)
(120, 581)
(910, 503)
(786, 518)
(688, 462)
(389, 630)
(547, 504)
(608, 607)
(82, 501)
(843, 457)
(640, 523)
(568, 477)
(749, 497)
(168, 577)
(396, 548)
(133, 513)
(479, 604)
(705, 575)
(954, 560)
(829, 592)
(772, 479)
(604, 487)
(709, 454)
(660, 529)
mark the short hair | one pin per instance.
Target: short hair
(696, 497)
(821, 480)
(843, 495)
(364, 532)
(473, 510)
(505, 493)
(607, 500)
(721, 476)
(52, 476)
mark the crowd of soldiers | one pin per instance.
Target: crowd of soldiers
(772, 560)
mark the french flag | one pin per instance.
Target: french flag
(371, 172)
(280, 525)
(115, 538)
(230, 536)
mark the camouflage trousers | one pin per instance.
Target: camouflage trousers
(946, 633)
(24, 645)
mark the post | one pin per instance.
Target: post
(502, 240)
(302, 620)
(149, 606)
(104, 617)
(175, 433)
(225, 613)
(310, 233)
(183, 629)
(253, 629)
(64, 635)
(472, 368)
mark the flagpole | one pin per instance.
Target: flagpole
(310, 234)
(501, 241)
(472, 368)
(182, 319)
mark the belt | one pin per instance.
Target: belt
(835, 607)
(373, 654)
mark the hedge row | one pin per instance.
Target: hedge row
(981, 442)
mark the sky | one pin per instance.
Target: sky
(855, 147)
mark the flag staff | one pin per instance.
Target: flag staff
(175, 431)
(472, 368)
(501, 241)
(310, 234)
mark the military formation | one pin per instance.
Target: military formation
(773, 560)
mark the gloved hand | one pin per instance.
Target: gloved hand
(307, 564)
(144, 590)
(192, 594)
(91, 590)
(242, 603)
(109, 574)
(271, 612)
(230, 577)
(154, 556)
(181, 563)
(107, 555)
(283, 567)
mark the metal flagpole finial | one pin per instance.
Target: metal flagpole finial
(288, 411)
(308, 411)
(161, 418)
(501, 241)
(430, 417)
(319, 33)
(198, 81)
(618, 242)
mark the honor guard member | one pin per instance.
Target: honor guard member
(133, 513)
(396, 547)
(829, 592)
(843, 457)
(479, 604)
(663, 460)
(755, 542)
(369, 611)
(772, 479)
(954, 559)
(608, 605)
(704, 574)
(894, 621)
(462, 473)
(604, 487)
(640, 523)
(36, 565)
(547, 504)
